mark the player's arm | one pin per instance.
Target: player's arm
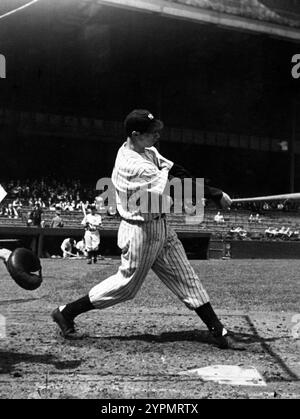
(161, 161)
(153, 178)
(219, 197)
(63, 248)
(155, 182)
(85, 222)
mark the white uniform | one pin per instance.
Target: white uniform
(92, 235)
(67, 247)
(146, 240)
(80, 246)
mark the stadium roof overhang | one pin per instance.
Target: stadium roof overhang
(195, 10)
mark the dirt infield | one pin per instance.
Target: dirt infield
(138, 349)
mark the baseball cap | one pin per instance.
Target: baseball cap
(141, 120)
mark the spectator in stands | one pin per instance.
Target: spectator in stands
(57, 221)
(251, 219)
(284, 233)
(17, 204)
(36, 215)
(73, 205)
(268, 233)
(242, 232)
(280, 206)
(2, 211)
(51, 205)
(238, 232)
(257, 219)
(219, 218)
(232, 230)
(275, 233)
(68, 248)
(40, 202)
(11, 212)
(266, 206)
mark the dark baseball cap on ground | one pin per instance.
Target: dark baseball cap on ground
(141, 120)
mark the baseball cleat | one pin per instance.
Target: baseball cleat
(66, 326)
(89, 262)
(226, 341)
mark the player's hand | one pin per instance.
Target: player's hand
(225, 201)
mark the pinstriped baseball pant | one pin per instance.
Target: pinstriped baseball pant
(151, 245)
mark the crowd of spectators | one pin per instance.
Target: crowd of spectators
(29, 198)
(48, 192)
(265, 206)
(283, 233)
(238, 233)
(271, 233)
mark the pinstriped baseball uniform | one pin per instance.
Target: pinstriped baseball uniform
(92, 235)
(140, 178)
(146, 240)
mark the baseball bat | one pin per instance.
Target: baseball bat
(291, 196)
(83, 209)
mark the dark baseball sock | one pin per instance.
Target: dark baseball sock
(90, 254)
(95, 254)
(209, 317)
(77, 307)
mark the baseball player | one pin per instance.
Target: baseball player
(92, 223)
(145, 238)
(67, 247)
(81, 250)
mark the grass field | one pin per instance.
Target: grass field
(139, 348)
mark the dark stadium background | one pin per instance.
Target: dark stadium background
(101, 64)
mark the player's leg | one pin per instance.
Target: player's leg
(96, 243)
(88, 246)
(175, 270)
(140, 246)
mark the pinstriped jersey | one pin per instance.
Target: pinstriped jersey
(136, 175)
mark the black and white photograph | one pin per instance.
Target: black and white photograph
(149, 202)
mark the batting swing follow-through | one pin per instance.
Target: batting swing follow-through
(146, 240)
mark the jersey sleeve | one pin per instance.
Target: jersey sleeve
(153, 179)
(161, 161)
